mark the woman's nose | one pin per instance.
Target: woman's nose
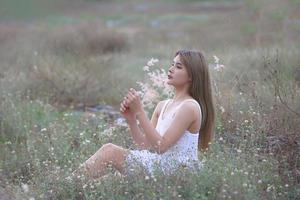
(171, 69)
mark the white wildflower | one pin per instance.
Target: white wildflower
(151, 62)
(146, 68)
(222, 109)
(218, 67)
(216, 59)
(25, 188)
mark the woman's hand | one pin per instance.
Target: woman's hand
(126, 112)
(134, 102)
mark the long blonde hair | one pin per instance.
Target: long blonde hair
(201, 90)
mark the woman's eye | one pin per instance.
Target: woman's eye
(177, 66)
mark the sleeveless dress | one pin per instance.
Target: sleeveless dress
(184, 153)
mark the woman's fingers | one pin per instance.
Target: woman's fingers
(134, 92)
(130, 98)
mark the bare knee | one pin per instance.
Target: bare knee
(114, 154)
(108, 148)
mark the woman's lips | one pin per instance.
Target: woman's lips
(169, 77)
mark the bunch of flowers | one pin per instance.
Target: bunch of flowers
(154, 87)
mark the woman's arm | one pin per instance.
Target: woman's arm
(137, 136)
(183, 119)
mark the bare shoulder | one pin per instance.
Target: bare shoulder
(191, 107)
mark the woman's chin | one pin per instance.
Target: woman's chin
(169, 82)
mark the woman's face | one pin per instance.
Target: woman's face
(177, 74)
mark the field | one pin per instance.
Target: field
(65, 66)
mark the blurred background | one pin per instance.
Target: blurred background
(60, 57)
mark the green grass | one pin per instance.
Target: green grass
(43, 151)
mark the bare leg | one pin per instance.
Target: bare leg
(108, 154)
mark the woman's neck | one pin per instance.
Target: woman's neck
(181, 95)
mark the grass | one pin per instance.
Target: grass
(51, 69)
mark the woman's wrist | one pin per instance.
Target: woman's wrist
(139, 114)
(131, 121)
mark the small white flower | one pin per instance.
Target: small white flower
(25, 188)
(222, 109)
(84, 186)
(44, 129)
(259, 181)
(151, 62)
(146, 177)
(146, 68)
(216, 59)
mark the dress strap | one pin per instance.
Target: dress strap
(164, 108)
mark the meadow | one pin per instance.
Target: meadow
(65, 66)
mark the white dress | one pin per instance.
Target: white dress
(183, 154)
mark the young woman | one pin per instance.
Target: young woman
(179, 127)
